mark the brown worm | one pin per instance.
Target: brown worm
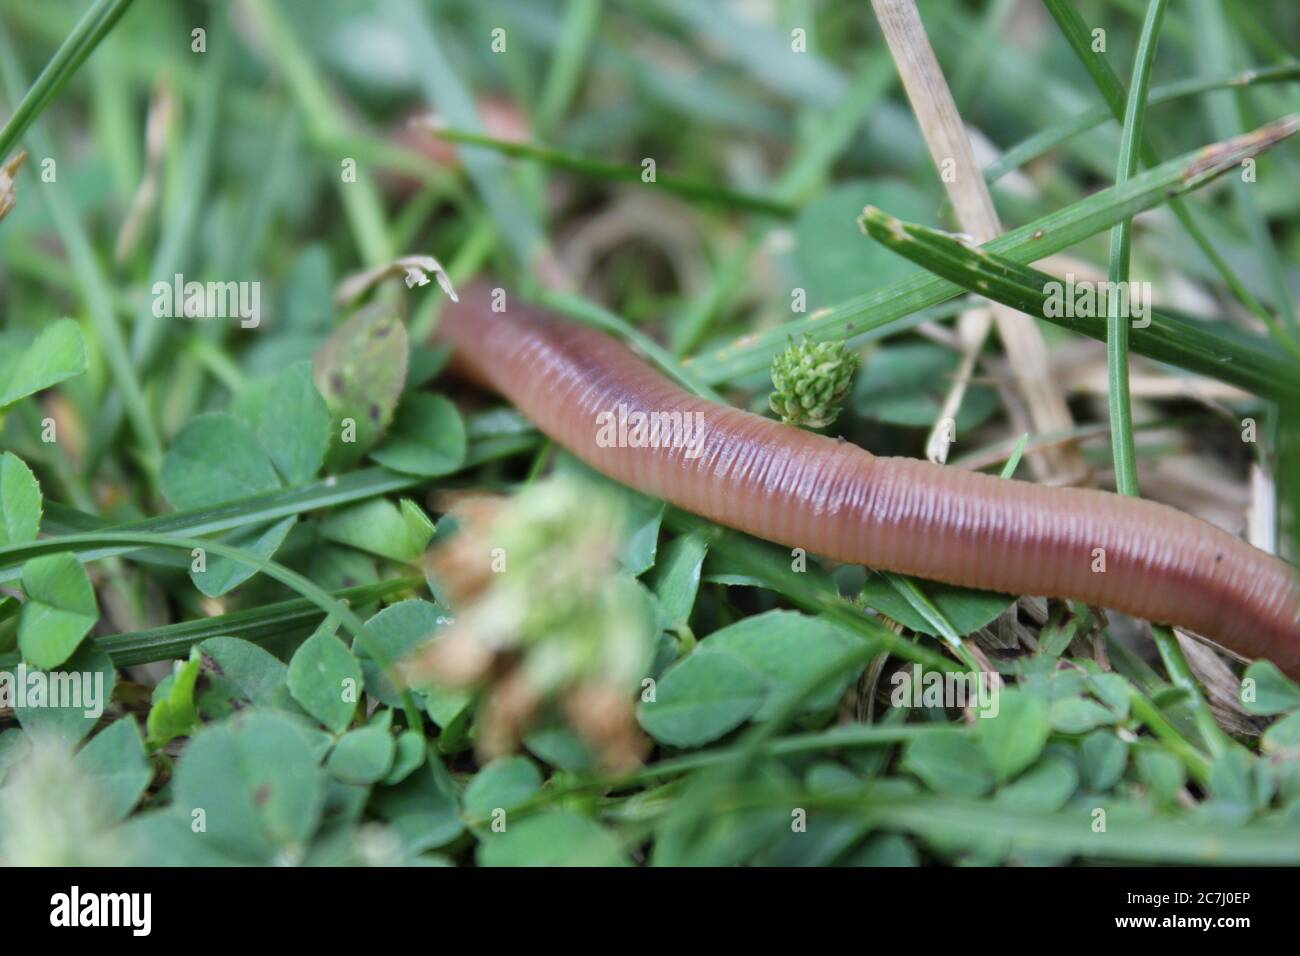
(832, 498)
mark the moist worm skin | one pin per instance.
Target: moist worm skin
(832, 498)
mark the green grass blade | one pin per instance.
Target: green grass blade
(178, 232)
(1117, 343)
(1070, 832)
(361, 200)
(1077, 33)
(331, 492)
(326, 493)
(911, 592)
(1121, 241)
(840, 737)
(1042, 237)
(1226, 120)
(272, 569)
(1013, 460)
(581, 18)
(173, 641)
(1247, 361)
(517, 227)
(829, 136)
(1043, 141)
(93, 284)
(94, 25)
(689, 189)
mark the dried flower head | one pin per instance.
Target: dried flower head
(52, 814)
(541, 616)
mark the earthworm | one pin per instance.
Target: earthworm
(834, 499)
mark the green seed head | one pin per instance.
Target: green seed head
(810, 381)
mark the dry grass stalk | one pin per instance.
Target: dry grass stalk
(163, 110)
(950, 148)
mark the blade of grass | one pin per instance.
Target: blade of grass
(178, 233)
(844, 736)
(516, 225)
(691, 189)
(361, 200)
(1043, 237)
(93, 284)
(976, 823)
(1013, 460)
(1180, 673)
(1247, 361)
(911, 591)
(981, 825)
(272, 569)
(1121, 242)
(580, 20)
(326, 493)
(949, 144)
(115, 124)
(172, 641)
(334, 491)
(1117, 343)
(1249, 24)
(1225, 119)
(1004, 451)
(761, 49)
(982, 43)
(1041, 142)
(97, 22)
(1076, 31)
(827, 138)
(830, 133)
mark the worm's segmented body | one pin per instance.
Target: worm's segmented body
(833, 498)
